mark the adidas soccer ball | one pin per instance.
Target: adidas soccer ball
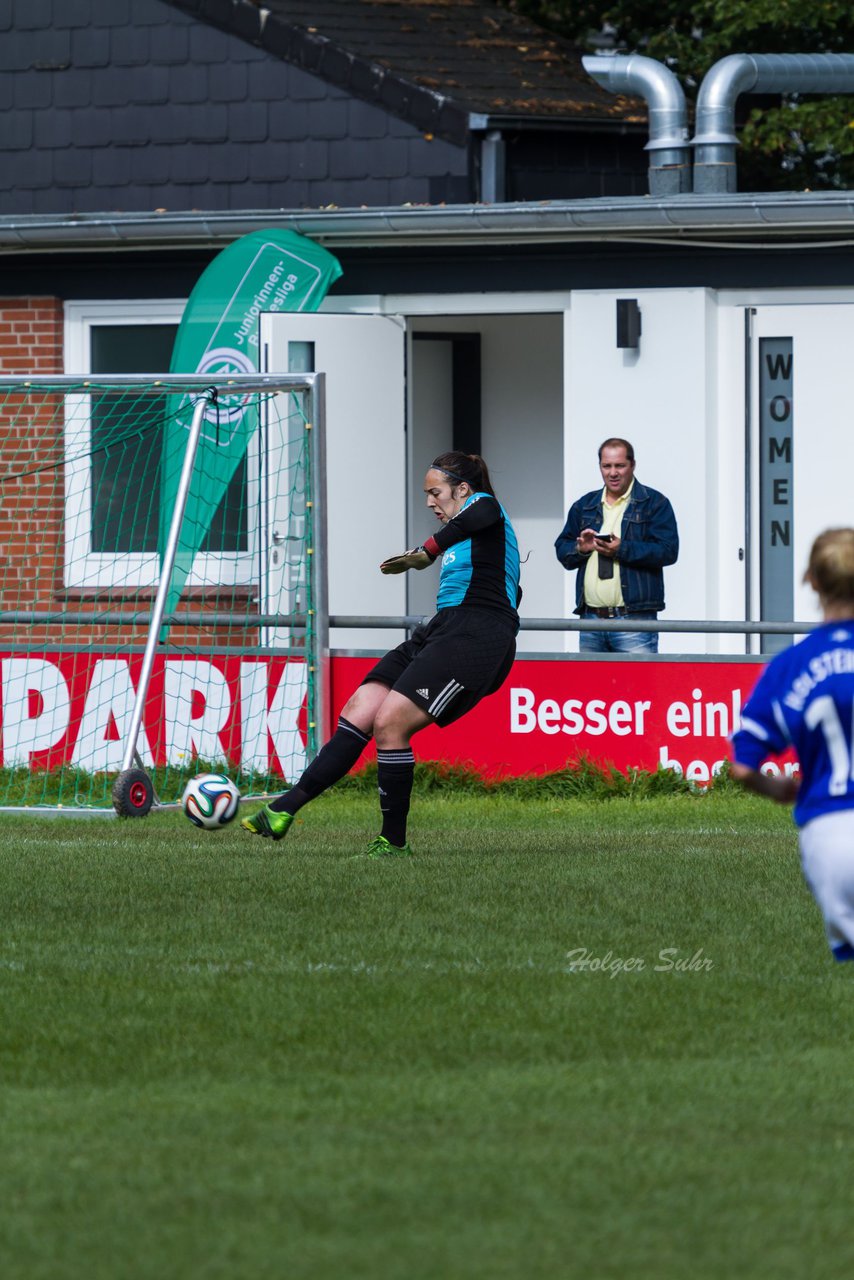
(210, 801)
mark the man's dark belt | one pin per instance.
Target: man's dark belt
(615, 611)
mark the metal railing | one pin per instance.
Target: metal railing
(297, 621)
(697, 626)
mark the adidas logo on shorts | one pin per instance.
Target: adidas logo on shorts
(424, 693)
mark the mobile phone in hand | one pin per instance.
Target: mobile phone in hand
(603, 537)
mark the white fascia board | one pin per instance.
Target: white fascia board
(534, 302)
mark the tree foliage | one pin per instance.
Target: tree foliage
(799, 142)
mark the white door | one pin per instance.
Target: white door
(363, 359)
(801, 449)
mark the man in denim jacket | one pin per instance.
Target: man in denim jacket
(619, 538)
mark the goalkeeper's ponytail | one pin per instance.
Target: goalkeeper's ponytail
(468, 468)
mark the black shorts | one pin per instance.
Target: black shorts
(451, 662)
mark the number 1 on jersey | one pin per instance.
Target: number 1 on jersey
(822, 713)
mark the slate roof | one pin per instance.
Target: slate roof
(124, 105)
(431, 62)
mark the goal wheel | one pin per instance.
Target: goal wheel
(133, 793)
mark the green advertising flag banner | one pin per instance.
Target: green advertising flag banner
(218, 335)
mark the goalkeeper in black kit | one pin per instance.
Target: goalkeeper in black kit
(464, 652)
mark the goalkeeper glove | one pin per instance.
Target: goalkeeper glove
(417, 558)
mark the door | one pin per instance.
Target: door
(801, 450)
(363, 359)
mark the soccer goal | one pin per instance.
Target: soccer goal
(163, 603)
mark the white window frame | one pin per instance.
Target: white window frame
(91, 569)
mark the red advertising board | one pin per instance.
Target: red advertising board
(627, 713)
(58, 708)
(75, 707)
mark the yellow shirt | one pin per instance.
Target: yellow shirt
(603, 593)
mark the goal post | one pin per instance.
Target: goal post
(124, 650)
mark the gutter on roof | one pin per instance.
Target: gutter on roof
(765, 214)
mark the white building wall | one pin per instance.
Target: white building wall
(554, 385)
(663, 398)
(726, 566)
(523, 446)
(821, 428)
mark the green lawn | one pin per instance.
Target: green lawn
(222, 1058)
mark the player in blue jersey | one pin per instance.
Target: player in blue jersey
(462, 654)
(805, 700)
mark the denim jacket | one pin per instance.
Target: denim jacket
(649, 541)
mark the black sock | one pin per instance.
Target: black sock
(331, 763)
(395, 771)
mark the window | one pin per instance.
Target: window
(112, 511)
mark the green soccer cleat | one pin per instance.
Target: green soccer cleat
(266, 822)
(382, 848)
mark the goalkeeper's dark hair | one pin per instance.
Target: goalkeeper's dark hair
(468, 468)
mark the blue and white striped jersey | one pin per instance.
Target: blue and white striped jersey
(805, 699)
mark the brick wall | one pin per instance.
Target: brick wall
(31, 335)
(31, 454)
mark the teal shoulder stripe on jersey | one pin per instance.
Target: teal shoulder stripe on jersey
(512, 564)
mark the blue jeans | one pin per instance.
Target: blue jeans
(619, 641)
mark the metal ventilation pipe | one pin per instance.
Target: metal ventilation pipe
(715, 141)
(669, 147)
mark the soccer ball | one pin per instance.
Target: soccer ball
(210, 801)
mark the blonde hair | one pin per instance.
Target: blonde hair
(831, 566)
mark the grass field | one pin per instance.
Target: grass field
(221, 1058)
